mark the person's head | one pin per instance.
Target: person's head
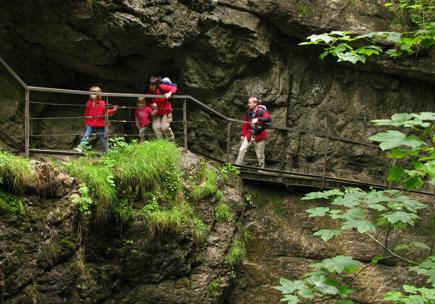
(140, 101)
(97, 91)
(252, 103)
(154, 82)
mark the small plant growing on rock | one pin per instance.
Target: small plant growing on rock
(223, 213)
(84, 201)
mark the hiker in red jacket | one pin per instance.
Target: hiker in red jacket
(163, 117)
(94, 119)
(256, 120)
(143, 114)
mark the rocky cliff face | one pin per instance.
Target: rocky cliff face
(51, 253)
(218, 51)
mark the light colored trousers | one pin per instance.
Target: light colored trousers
(161, 126)
(259, 150)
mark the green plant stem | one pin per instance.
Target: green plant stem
(390, 251)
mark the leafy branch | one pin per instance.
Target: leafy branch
(352, 47)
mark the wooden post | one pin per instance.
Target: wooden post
(27, 122)
(228, 142)
(185, 123)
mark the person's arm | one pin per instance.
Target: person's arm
(168, 89)
(112, 110)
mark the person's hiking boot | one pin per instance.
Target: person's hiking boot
(78, 149)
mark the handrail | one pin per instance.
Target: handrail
(196, 101)
(12, 72)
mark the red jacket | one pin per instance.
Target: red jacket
(142, 115)
(94, 113)
(259, 129)
(163, 104)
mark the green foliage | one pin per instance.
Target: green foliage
(223, 213)
(365, 211)
(410, 295)
(84, 201)
(98, 178)
(214, 288)
(346, 46)
(175, 218)
(129, 169)
(373, 214)
(229, 172)
(326, 282)
(208, 187)
(416, 146)
(15, 172)
(236, 253)
(11, 205)
(420, 12)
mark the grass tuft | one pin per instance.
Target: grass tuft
(236, 253)
(176, 218)
(223, 213)
(131, 170)
(208, 187)
(15, 172)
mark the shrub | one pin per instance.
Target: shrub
(236, 253)
(223, 213)
(99, 180)
(15, 172)
(11, 205)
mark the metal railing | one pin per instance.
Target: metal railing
(206, 131)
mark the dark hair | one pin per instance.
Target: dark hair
(155, 80)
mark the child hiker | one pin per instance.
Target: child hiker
(143, 116)
(94, 118)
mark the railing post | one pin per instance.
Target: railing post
(228, 142)
(27, 122)
(185, 122)
(325, 156)
(106, 124)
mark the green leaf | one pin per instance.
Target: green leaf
(410, 289)
(420, 245)
(393, 296)
(319, 211)
(322, 194)
(288, 287)
(362, 226)
(400, 217)
(290, 299)
(345, 301)
(339, 264)
(327, 234)
(398, 153)
(396, 174)
(400, 247)
(393, 139)
(414, 182)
